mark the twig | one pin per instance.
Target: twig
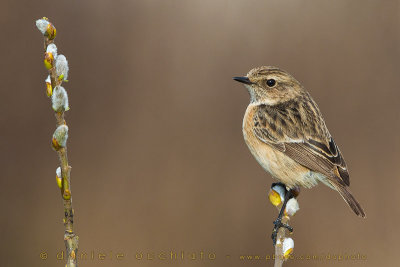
(282, 233)
(58, 71)
(284, 245)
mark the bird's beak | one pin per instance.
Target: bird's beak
(244, 80)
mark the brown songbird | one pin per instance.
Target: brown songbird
(284, 130)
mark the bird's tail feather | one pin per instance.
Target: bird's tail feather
(349, 198)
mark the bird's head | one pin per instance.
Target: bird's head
(270, 85)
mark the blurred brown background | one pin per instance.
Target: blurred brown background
(159, 162)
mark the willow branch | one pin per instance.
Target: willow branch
(284, 245)
(282, 234)
(58, 70)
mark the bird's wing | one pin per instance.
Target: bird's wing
(300, 133)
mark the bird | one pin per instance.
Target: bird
(287, 135)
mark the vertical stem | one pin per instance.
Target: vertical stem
(279, 257)
(71, 240)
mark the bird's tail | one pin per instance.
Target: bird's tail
(350, 200)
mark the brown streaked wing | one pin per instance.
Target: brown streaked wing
(332, 153)
(308, 152)
(316, 161)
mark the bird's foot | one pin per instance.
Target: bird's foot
(277, 225)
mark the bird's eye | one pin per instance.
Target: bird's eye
(271, 82)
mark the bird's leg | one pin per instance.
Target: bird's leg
(278, 222)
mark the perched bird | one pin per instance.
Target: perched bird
(284, 130)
